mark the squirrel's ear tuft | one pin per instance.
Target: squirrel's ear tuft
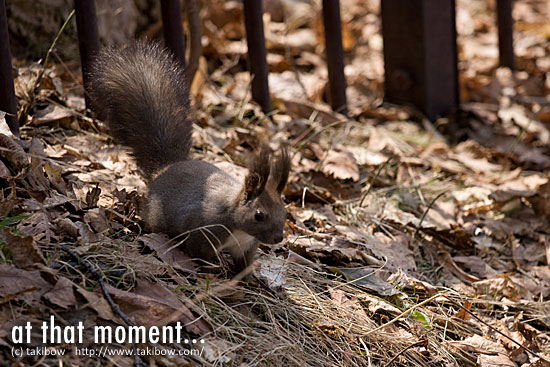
(251, 183)
(281, 170)
(255, 181)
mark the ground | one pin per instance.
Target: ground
(407, 242)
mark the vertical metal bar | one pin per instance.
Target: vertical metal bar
(335, 55)
(257, 55)
(88, 39)
(454, 57)
(441, 57)
(173, 28)
(8, 102)
(505, 23)
(191, 9)
(420, 54)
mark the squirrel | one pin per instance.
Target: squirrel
(142, 94)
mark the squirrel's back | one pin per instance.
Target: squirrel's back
(142, 93)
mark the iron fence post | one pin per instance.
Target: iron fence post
(173, 28)
(88, 39)
(257, 54)
(8, 102)
(420, 54)
(335, 55)
(505, 22)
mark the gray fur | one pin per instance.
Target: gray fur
(141, 92)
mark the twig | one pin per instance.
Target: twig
(367, 351)
(493, 328)
(403, 351)
(374, 179)
(294, 68)
(122, 216)
(99, 276)
(405, 313)
(445, 295)
(426, 212)
(243, 101)
(47, 59)
(315, 134)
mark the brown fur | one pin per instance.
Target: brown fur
(141, 92)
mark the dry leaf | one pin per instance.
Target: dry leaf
(13, 153)
(490, 354)
(24, 250)
(166, 251)
(367, 278)
(99, 304)
(344, 302)
(62, 294)
(21, 284)
(462, 314)
(273, 272)
(52, 113)
(445, 259)
(341, 164)
(156, 306)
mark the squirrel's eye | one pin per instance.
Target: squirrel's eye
(259, 216)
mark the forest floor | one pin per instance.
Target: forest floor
(407, 243)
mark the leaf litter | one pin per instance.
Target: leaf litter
(406, 243)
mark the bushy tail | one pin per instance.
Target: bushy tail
(142, 93)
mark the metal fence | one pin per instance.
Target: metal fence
(420, 51)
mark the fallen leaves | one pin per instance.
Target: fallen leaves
(384, 208)
(369, 279)
(13, 153)
(19, 284)
(168, 251)
(490, 354)
(152, 304)
(24, 250)
(341, 164)
(62, 294)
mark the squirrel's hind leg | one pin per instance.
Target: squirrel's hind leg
(202, 248)
(243, 258)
